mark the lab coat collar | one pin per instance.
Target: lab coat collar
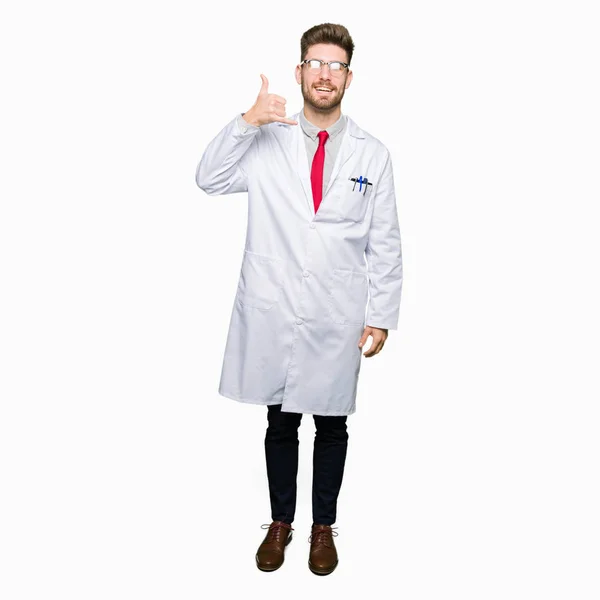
(312, 131)
(351, 134)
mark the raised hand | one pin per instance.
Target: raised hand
(267, 108)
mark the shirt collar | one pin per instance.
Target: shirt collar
(312, 130)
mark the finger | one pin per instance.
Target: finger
(264, 88)
(379, 348)
(278, 99)
(363, 339)
(279, 112)
(374, 349)
(278, 105)
(283, 120)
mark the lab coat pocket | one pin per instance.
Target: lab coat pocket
(352, 205)
(348, 292)
(261, 280)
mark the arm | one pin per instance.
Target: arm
(224, 165)
(384, 255)
(225, 162)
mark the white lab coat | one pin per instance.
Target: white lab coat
(306, 279)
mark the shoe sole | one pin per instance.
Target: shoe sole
(322, 571)
(269, 570)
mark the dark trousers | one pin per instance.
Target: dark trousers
(329, 457)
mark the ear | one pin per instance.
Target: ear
(298, 74)
(349, 79)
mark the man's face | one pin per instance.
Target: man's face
(336, 83)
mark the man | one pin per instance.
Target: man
(323, 239)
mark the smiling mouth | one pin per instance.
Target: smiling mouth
(322, 90)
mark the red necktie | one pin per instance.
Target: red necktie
(316, 174)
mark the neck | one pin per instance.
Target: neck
(322, 118)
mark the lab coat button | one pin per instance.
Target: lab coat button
(312, 225)
(299, 321)
(305, 273)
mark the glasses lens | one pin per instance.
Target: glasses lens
(335, 68)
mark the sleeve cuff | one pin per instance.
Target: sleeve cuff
(243, 126)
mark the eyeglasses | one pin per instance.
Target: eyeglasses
(336, 68)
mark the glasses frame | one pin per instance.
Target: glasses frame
(345, 65)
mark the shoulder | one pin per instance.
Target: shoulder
(373, 143)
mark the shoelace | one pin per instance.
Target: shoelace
(276, 530)
(323, 536)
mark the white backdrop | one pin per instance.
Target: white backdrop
(472, 468)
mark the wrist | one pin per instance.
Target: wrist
(250, 119)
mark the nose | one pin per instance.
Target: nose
(327, 71)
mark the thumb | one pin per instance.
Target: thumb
(364, 338)
(264, 88)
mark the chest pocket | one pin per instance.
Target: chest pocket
(261, 280)
(352, 204)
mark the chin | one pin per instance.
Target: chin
(324, 102)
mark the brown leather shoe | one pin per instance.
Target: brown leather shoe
(323, 558)
(270, 554)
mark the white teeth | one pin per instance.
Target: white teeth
(324, 89)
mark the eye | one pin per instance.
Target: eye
(314, 64)
(335, 66)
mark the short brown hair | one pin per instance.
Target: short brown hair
(327, 33)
